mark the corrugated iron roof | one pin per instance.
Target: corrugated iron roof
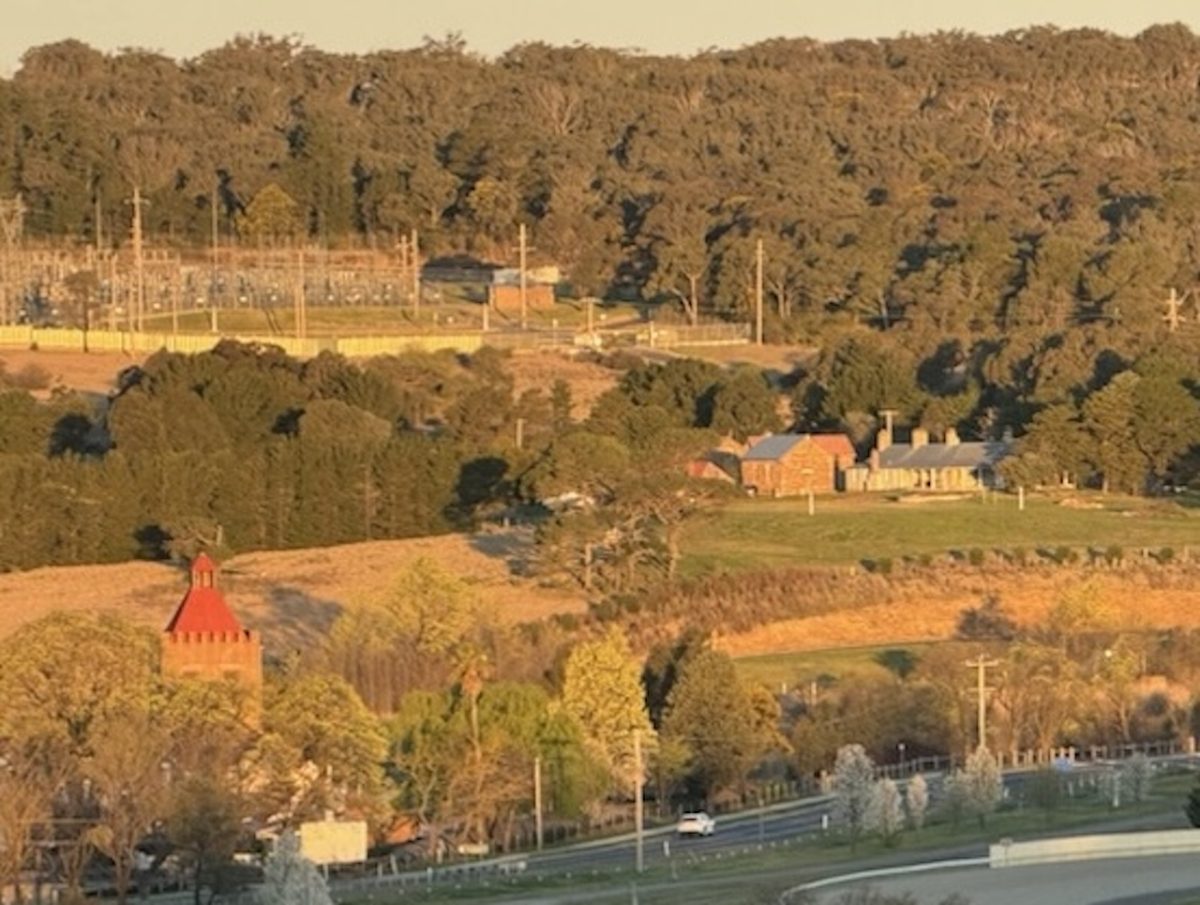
(775, 446)
(942, 455)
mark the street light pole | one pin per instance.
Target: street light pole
(638, 817)
(537, 798)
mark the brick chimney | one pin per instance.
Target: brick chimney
(951, 437)
(920, 437)
(884, 438)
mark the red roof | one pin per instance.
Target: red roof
(203, 608)
(835, 444)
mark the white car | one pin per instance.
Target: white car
(696, 824)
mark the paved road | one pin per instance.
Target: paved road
(790, 822)
(733, 834)
(1144, 881)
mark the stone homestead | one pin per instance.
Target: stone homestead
(781, 465)
(796, 464)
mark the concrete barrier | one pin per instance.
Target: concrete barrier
(1007, 853)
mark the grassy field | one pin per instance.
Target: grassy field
(324, 321)
(756, 875)
(791, 669)
(348, 320)
(850, 529)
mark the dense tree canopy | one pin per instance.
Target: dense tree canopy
(946, 184)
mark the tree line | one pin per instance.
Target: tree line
(947, 184)
(982, 233)
(106, 756)
(245, 448)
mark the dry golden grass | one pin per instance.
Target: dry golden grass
(1134, 601)
(92, 372)
(539, 370)
(783, 359)
(292, 596)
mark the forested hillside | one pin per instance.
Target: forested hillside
(942, 185)
(981, 233)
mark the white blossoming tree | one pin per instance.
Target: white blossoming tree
(885, 814)
(1136, 773)
(853, 783)
(916, 801)
(981, 783)
(291, 879)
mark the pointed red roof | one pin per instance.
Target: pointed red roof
(203, 608)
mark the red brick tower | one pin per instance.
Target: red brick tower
(204, 640)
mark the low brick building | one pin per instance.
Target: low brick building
(204, 640)
(950, 466)
(794, 464)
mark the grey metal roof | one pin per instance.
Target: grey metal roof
(773, 447)
(941, 455)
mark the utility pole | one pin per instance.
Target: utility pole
(112, 291)
(981, 665)
(414, 257)
(1174, 303)
(213, 205)
(216, 247)
(97, 229)
(524, 284)
(175, 300)
(403, 246)
(638, 817)
(138, 263)
(12, 223)
(758, 293)
(301, 313)
(537, 799)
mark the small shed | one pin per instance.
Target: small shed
(721, 463)
(794, 464)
